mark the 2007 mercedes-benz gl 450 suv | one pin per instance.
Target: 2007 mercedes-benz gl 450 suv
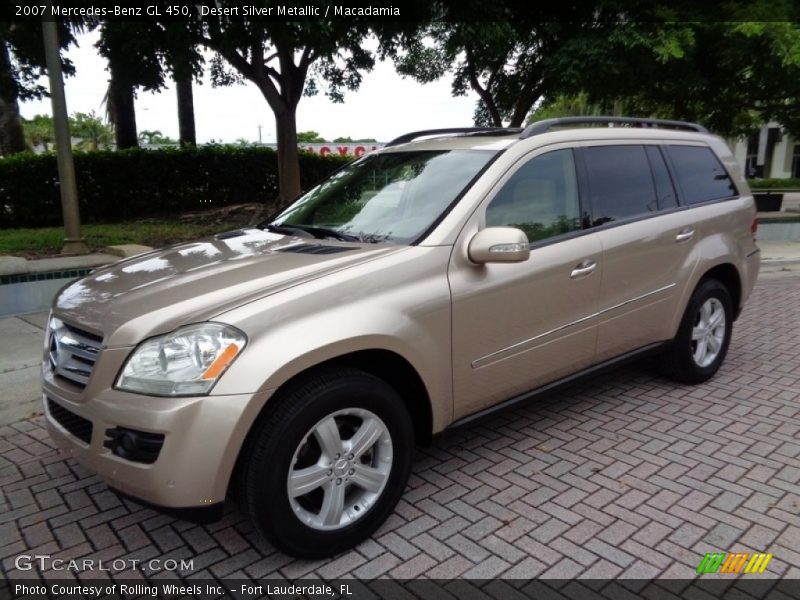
(451, 273)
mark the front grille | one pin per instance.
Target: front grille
(72, 352)
(78, 426)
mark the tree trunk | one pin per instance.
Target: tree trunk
(291, 79)
(530, 93)
(521, 109)
(483, 92)
(122, 112)
(288, 157)
(12, 138)
(516, 120)
(183, 86)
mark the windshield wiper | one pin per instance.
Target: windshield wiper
(317, 232)
(283, 229)
(324, 232)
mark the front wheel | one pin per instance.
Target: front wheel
(704, 334)
(328, 463)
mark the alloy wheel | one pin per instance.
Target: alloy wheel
(708, 333)
(340, 469)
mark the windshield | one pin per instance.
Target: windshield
(392, 197)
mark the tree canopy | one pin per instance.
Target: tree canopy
(88, 129)
(22, 63)
(310, 137)
(502, 51)
(349, 140)
(287, 60)
(729, 75)
(730, 67)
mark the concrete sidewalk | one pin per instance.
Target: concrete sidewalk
(22, 336)
(777, 254)
(21, 347)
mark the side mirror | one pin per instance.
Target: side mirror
(499, 244)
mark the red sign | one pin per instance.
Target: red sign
(356, 150)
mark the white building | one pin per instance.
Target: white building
(771, 153)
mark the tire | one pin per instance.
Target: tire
(687, 360)
(343, 409)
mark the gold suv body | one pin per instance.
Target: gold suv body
(429, 283)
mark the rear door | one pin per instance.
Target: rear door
(647, 243)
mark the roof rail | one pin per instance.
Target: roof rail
(546, 125)
(477, 130)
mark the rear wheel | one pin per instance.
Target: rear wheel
(704, 334)
(328, 463)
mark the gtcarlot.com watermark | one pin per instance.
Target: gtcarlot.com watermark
(45, 562)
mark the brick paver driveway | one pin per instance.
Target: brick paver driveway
(626, 475)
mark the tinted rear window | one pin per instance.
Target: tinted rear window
(620, 182)
(700, 175)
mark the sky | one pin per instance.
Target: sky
(385, 106)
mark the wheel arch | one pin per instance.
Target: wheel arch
(728, 275)
(400, 374)
(387, 365)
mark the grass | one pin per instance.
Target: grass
(33, 243)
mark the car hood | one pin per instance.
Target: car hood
(158, 291)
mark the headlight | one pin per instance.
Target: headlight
(186, 362)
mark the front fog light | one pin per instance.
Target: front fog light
(186, 362)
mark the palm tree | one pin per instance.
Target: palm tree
(149, 136)
(11, 135)
(91, 131)
(39, 131)
(183, 88)
(120, 111)
(155, 138)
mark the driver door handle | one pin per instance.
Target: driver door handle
(684, 234)
(583, 269)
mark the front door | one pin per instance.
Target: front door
(519, 326)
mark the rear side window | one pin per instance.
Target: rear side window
(620, 182)
(700, 175)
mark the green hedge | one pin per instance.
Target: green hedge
(771, 184)
(114, 186)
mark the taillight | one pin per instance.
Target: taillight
(754, 227)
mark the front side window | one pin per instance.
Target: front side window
(391, 197)
(620, 183)
(700, 174)
(540, 198)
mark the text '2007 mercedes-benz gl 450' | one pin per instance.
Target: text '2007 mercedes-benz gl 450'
(451, 273)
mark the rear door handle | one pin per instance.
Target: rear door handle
(583, 268)
(684, 234)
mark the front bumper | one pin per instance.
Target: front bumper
(202, 439)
